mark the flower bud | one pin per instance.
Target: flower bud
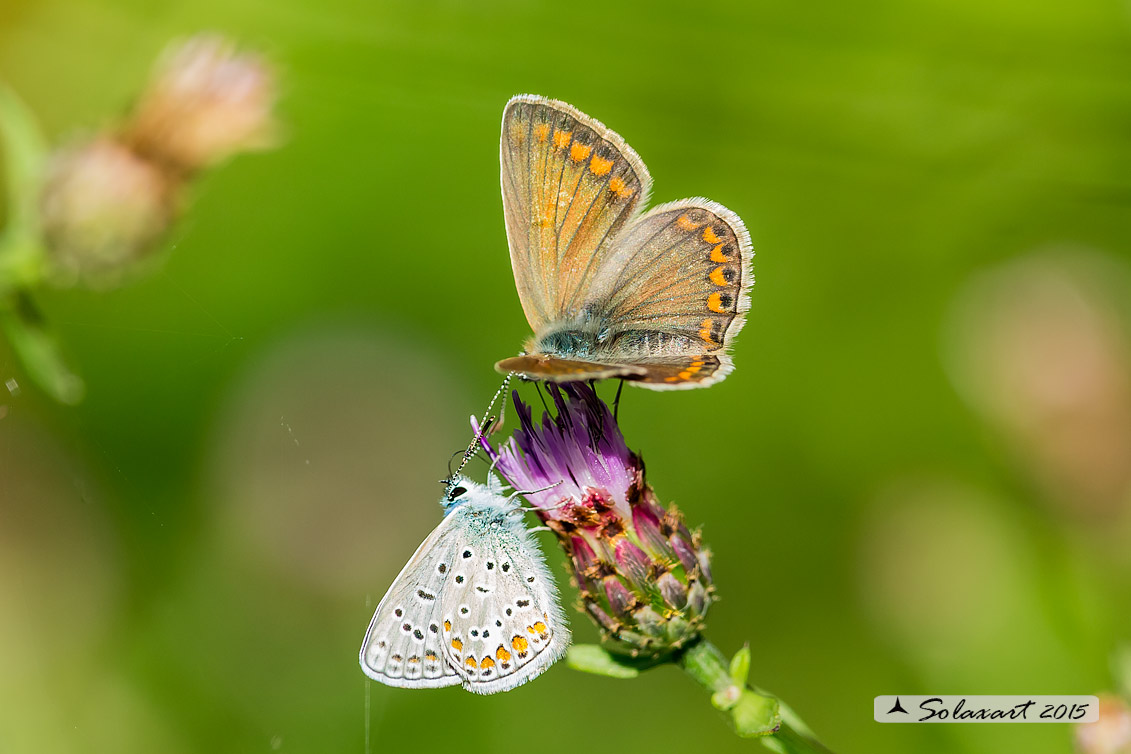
(101, 208)
(205, 102)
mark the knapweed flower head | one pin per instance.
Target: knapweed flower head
(643, 577)
(205, 102)
(101, 207)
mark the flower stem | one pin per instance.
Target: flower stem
(753, 713)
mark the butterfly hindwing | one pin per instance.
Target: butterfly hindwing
(403, 646)
(569, 185)
(675, 267)
(502, 621)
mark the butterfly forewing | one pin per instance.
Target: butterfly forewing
(502, 621)
(403, 646)
(569, 184)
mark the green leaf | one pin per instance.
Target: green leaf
(755, 715)
(740, 666)
(1121, 669)
(590, 658)
(37, 349)
(23, 153)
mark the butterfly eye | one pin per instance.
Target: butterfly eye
(457, 492)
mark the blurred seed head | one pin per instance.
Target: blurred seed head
(102, 207)
(327, 458)
(940, 572)
(1040, 348)
(205, 102)
(1111, 734)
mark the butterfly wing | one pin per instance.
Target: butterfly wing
(502, 621)
(675, 292)
(555, 369)
(403, 646)
(569, 185)
(670, 296)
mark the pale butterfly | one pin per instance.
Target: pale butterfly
(475, 605)
(656, 298)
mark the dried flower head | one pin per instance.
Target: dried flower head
(643, 577)
(1111, 734)
(101, 208)
(1041, 348)
(205, 102)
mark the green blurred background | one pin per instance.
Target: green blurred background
(189, 559)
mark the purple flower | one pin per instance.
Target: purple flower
(643, 577)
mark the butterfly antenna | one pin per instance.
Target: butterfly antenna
(484, 430)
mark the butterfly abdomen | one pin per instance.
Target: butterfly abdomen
(652, 343)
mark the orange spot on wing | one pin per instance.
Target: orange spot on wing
(431, 655)
(447, 625)
(519, 644)
(620, 188)
(685, 375)
(705, 330)
(502, 655)
(542, 131)
(717, 255)
(561, 138)
(600, 166)
(457, 645)
(470, 662)
(717, 276)
(537, 628)
(715, 303)
(709, 235)
(579, 152)
(486, 663)
(684, 223)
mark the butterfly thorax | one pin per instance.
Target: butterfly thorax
(483, 510)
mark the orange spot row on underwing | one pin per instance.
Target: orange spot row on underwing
(600, 166)
(620, 188)
(684, 223)
(718, 276)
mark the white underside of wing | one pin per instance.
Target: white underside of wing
(386, 641)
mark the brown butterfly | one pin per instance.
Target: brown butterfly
(656, 298)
